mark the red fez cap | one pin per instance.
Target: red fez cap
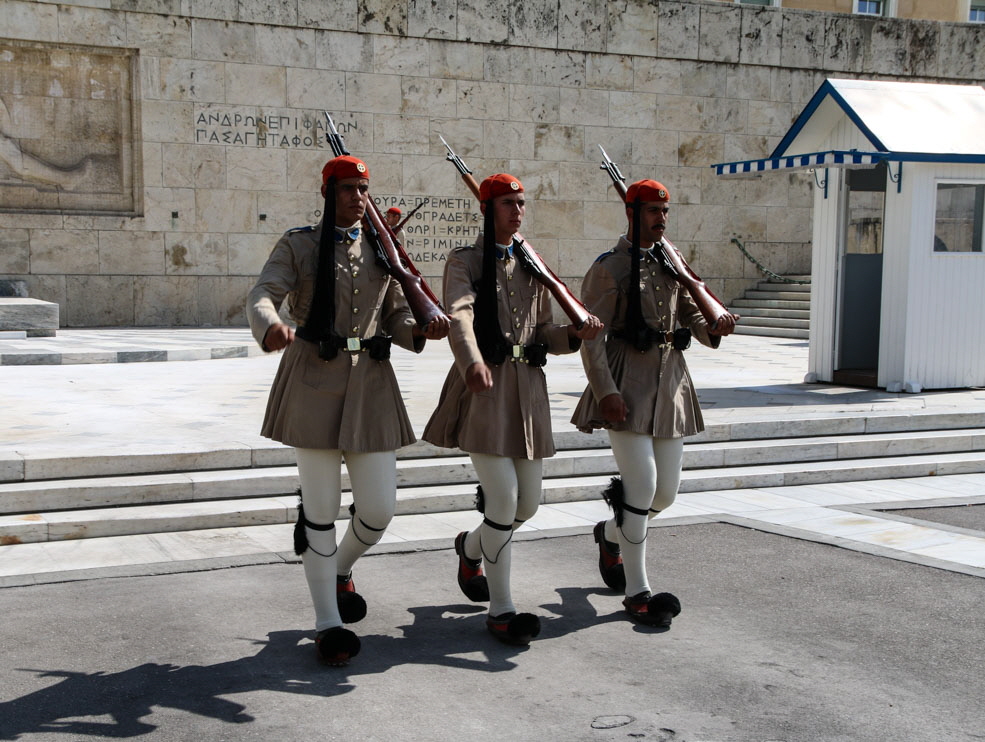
(499, 185)
(393, 210)
(344, 167)
(647, 190)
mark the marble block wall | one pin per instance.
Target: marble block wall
(230, 107)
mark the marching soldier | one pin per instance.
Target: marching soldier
(640, 391)
(494, 401)
(335, 396)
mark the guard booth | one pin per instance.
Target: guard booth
(897, 267)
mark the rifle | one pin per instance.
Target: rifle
(709, 305)
(572, 307)
(424, 305)
(402, 222)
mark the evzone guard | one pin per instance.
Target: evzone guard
(335, 396)
(494, 403)
(639, 388)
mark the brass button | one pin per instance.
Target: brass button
(514, 310)
(355, 273)
(518, 323)
(355, 291)
(355, 310)
(355, 329)
(512, 293)
(351, 257)
(660, 303)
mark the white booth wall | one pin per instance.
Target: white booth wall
(931, 336)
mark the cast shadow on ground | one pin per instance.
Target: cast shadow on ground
(115, 705)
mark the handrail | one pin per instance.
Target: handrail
(770, 274)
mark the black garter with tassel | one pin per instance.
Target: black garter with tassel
(480, 499)
(300, 535)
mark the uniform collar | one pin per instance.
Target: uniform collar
(345, 236)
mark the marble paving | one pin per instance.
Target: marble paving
(55, 411)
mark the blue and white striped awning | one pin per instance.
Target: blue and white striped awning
(832, 158)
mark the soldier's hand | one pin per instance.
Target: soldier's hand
(724, 325)
(589, 329)
(436, 329)
(613, 408)
(278, 337)
(478, 378)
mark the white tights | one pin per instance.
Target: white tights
(373, 477)
(512, 495)
(651, 474)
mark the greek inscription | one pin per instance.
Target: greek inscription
(434, 230)
(293, 130)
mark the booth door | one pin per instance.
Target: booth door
(861, 278)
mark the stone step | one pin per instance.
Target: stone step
(188, 516)
(235, 484)
(756, 311)
(775, 332)
(784, 294)
(137, 460)
(793, 322)
(783, 286)
(770, 304)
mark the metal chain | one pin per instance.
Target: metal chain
(766, 271)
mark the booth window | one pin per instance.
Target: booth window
(977, 13)
(959, 216)
(766, 3)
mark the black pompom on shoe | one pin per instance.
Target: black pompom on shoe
(663, 607)
(336, 646)
(653, 610)
(352, 607)
(516, 629)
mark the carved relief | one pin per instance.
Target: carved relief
(68, 129)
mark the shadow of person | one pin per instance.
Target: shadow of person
(71, 705)
(443, 636)
(575, 612)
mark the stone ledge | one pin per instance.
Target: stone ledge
(35, 317)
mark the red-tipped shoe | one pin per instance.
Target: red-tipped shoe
(336, 646)
(352, 607)
(470, 577)
(610, 560)
(514, 628)
(652, 610)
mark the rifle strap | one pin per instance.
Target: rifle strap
(321, 317)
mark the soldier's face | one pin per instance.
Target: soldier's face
(653, 220)
(508, 213)
(351, 195)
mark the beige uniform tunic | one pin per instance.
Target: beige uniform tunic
(512, 418)
(655, 385)
(352, 402)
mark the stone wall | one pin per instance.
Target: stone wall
(230, 98)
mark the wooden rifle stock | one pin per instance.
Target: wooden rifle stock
(568, 302)
(708, 304)
(424, 305)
